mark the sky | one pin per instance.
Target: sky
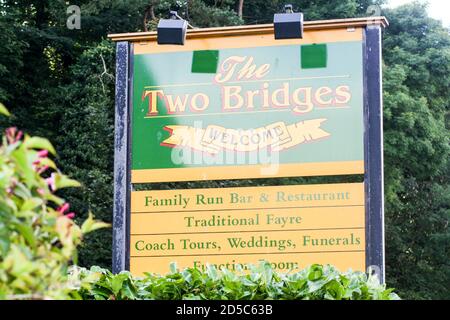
(438, 9)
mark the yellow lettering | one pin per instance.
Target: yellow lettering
(281, 94)
(152, 101)
(178, 105)
(343, 95)
(228, 67)
(321, 93)
(305, 105)
(194, 102)
(250, 98)
(230, 92)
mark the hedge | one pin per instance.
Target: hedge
(260, 282)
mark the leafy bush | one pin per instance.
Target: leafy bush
(316, 282)
(38, 237)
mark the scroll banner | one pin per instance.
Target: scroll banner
(214, 139)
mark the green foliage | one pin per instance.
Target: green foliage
(38, 239)
(86, 151)
(199, 13)
(261, 11)
(416, 102)
(261, 282)
(3, 110)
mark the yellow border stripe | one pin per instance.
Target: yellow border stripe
(246, 41)
(246, 172)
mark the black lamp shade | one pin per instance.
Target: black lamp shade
(288, 25)
(172, 31)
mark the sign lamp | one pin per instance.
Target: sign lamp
(288, 25)
(172, 30)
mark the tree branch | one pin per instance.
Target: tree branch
(149, 11)
(240, 8)
(104, 73)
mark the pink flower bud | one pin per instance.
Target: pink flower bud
(19, 136)
(43, 153)
(42, 169)
(64, 208)
(10, 134)
(70, 215)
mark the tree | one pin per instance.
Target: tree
(86, 146)
(261, 11)
(240, 8)
(417, 57)
(11, 53)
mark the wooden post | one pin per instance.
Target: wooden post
(122, 179)
(373, 151)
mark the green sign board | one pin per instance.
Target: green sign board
(261, 110)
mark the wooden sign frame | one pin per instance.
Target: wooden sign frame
(373, 132)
